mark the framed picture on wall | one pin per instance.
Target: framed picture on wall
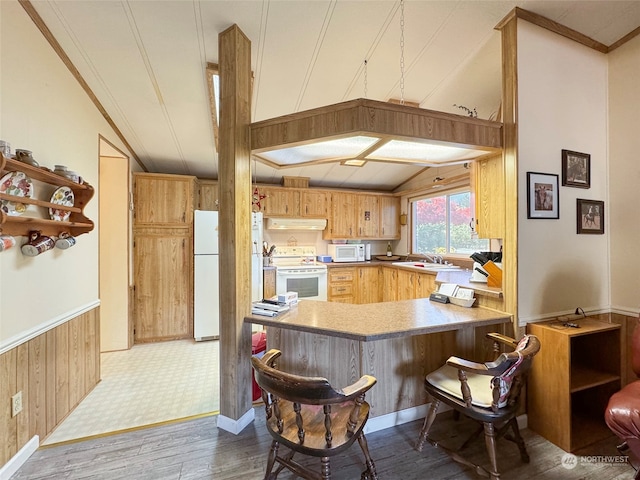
(590, 216)
(542, 195)
(576, 169)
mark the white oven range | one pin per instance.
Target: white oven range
(297, 271)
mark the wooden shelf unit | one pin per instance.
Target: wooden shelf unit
(21, 225)
(571, 380)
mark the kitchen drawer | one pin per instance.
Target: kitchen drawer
(340, 289)
(341, 275)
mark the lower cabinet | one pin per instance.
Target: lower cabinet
(163, 284)
(571, 380)
(389, 284)
(341, 284)
(375, 283)
(368, 285)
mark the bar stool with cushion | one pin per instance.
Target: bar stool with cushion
(308, 416)
(485, 392)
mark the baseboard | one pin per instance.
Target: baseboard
(236, 426)
(375, 424)
(388, 420)
(19, 459)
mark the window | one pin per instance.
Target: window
(441, 225)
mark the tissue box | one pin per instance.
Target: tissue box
(324, 258)
(289, 298)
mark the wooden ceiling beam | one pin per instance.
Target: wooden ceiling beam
(363, 116)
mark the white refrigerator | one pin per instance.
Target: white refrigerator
(206, 281)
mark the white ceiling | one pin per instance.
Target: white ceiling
(145, 61)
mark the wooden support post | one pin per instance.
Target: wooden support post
(234, 59)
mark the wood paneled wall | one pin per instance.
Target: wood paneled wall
(54, 371)
(627, 324)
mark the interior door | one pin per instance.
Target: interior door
(113, 204)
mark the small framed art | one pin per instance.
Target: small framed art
(590, 216)
(576, 169)
(542, 195)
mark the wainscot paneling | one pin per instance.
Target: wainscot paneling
(54, 371)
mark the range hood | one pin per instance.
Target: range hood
(296, 223)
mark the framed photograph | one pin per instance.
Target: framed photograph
(590, 216)
(576, 169)
(542, 195)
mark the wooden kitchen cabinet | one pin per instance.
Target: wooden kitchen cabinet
(406, 285)
(362, 217)
(342, 216)
(341, 284)
(368, 285)
(571, 380)
(163, 293)
(368, 216)
(389, 284)
(163, 199)
(293, 202)
(163, 256)
(389, 217)
(313, 204)
(489, 197)
(280, 202)
(207, 195)
(425, 284)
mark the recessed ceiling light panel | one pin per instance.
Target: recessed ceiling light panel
(337, 149)
(420, 152)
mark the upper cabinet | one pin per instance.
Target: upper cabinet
(293, 202)
(207, 195)
(342, 216)
(368, 216)
(169, 199)
(313, 203)
(489, 191)
(349, 214)
(363, 216)
(389, 217)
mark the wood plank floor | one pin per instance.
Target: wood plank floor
(197, 449)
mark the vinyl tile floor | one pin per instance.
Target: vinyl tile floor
(149, 384)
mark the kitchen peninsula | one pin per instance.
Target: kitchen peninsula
(397, 342)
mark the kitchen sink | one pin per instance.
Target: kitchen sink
(429, 267)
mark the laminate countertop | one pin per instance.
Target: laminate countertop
(379, 321)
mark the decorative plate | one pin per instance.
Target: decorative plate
(62, 196)
(18, 185)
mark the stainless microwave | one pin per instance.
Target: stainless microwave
(348, 252)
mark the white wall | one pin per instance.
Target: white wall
(562, 104)
(624, 175)
(43, 109)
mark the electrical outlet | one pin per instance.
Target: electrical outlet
(16, 404)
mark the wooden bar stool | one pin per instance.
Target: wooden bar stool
(308, 416)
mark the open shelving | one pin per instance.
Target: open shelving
(22, 225)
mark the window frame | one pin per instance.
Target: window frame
(434, 194)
